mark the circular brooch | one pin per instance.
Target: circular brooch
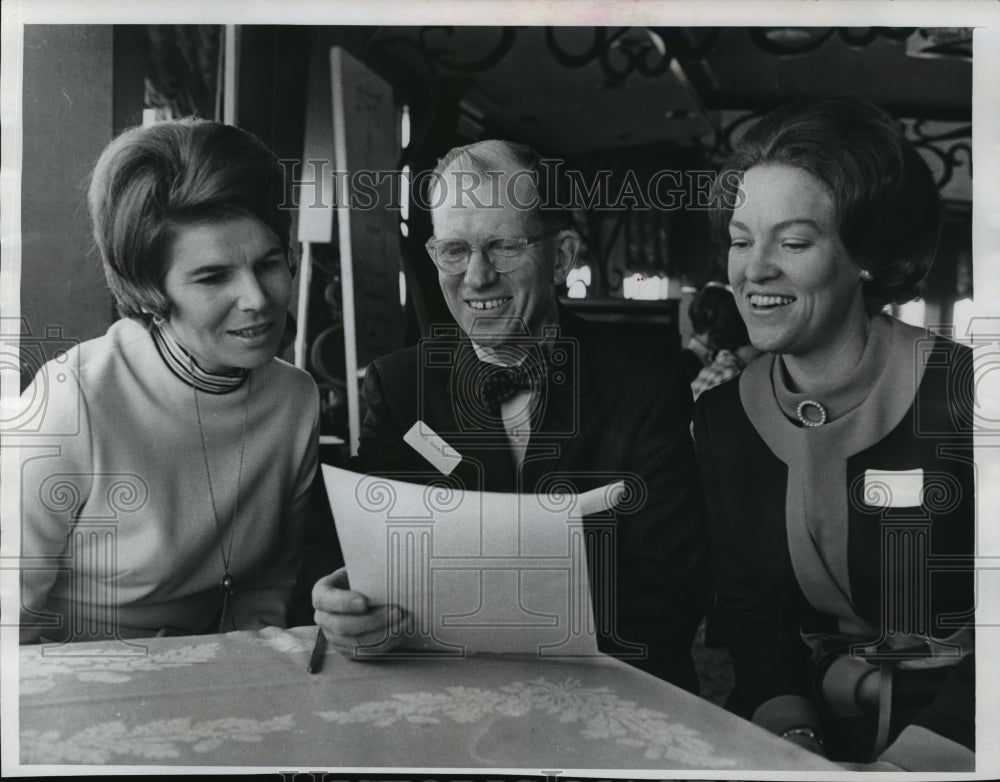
(815, 419)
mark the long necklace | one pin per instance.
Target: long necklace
(227, 583)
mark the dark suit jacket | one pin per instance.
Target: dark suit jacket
(614, 407)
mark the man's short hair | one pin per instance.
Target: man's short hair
(150, 181)
(885, 197)
(496, 156)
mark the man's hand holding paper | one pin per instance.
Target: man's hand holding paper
(457, 571)
(349, 621)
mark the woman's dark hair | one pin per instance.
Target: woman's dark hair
(150, 181)
(885, 198)
(713, 311)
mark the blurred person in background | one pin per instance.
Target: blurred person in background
(727, 334)
(702, 311)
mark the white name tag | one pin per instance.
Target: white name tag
(894, 488)
(425, 441)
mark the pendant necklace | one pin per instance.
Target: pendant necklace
(227, 583)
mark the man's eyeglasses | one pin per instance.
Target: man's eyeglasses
(452, 255)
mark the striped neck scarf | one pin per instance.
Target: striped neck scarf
(183, 364)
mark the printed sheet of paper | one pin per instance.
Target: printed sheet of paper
(476, 571)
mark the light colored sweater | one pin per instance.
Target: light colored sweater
(115, 503)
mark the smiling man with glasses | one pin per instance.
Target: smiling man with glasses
(530, 396)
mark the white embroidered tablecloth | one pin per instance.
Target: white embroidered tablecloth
(245, 699)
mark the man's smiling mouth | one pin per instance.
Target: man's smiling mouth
(487, 304)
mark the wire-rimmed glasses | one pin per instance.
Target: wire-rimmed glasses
(452, 255)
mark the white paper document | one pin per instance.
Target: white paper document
(475, 571)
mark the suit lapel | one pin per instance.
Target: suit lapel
(565, 396)
(477, 434)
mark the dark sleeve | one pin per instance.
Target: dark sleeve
(664, 578)
(757, 618)
(948, 401)
(952, 713)
(381, 449)
(942, 736)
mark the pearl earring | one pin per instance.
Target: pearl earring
(867, 276)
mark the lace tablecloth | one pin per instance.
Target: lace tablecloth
(245, 699)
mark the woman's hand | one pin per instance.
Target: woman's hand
(349, 623)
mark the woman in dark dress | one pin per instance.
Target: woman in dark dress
(838, 468)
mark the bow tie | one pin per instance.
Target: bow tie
(499, 384)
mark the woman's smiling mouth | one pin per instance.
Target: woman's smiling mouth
(252, 332)
(760, 301)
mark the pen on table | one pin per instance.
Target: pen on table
(318, 652)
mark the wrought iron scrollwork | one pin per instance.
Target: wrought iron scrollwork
(419, 62)
(951, 156)
(571, 60)
(809, 39)
(441, 56)
(922, 136)
(722, 146)
(619, 53)
(951, 159)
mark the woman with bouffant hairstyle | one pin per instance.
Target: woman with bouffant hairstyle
(839, 464)
(181, 403)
